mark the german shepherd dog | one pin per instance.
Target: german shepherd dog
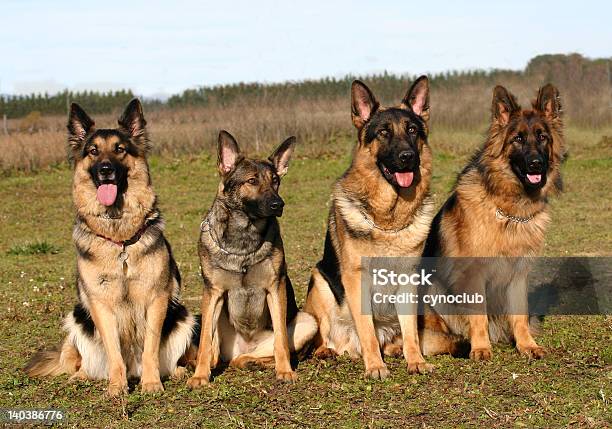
(499, 208)
(249, 312)
(381, 206)
(128, 321)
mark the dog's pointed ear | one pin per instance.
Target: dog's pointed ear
(282, 155)
(363, 105)
(549, 102)
(228, 153)
(417, 98)
(504, 105)
(133, 121)
(79, 125)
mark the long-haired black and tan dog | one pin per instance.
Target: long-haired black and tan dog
(381, 206)
(249, 313)
(499, 209)
(128, 321)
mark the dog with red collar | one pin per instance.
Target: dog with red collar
(128, 322)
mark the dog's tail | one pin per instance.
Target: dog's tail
(56, 361)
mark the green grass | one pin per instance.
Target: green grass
(571, 387)
(36, 248)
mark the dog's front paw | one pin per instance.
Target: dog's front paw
(480, 354)
(377, 372)
(80, 375)
(420, 367)
(393, 350)
(248, 362)
(152, 387)
(324, 353)
(180, 372)
(286, 376)
(117, 389)
(198, 381)
(532, 351)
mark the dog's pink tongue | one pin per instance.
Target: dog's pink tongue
(534, 178)
(107, 194)
(404, 179)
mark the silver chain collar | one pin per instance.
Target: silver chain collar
(109, 217)
(499, 214)
(373, 225)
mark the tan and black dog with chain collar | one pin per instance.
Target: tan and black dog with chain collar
(381, 206)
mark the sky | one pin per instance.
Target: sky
(158, 48)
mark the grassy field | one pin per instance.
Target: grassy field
(571, 387)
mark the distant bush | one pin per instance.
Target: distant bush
(606, 142)
(32, 122)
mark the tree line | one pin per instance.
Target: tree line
(584, 82)
(58, 104)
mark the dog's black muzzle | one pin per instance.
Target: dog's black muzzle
(531, 170)
(407, 160)
(106, 172)
(275, 207)
(535, 164)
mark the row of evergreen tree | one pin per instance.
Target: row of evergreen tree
(574, 73)
(570, 72)
(58, 104)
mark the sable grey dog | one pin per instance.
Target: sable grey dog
(249, 313)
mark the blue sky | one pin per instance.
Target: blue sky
(164, 47)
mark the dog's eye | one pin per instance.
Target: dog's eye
(119, 149)
(275, 179)
(252, 181)
(412, 129)
(94, 151)
(518, 139)
(383, 134)
(542, 138)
